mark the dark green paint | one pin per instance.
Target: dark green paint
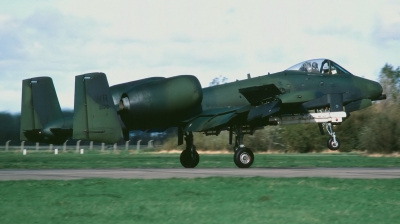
(94, 115)
(157, 103)
(41, 112)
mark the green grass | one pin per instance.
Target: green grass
(95, 159)
(208, 200)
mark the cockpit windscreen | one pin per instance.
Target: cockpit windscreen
(319, 66)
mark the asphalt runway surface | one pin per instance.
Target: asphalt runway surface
(73, 174)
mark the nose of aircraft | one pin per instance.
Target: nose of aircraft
(374, 89)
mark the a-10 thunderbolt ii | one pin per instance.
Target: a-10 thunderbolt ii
(104, 114)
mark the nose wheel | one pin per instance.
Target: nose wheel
(333, 143)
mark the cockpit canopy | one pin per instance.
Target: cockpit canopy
(319, 66)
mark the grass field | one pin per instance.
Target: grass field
(123, 159)
(208, 200)
(201, 200)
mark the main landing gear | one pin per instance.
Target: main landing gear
(243, 156)
(333, 142)
(189, 157)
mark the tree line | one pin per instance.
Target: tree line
(374, 129)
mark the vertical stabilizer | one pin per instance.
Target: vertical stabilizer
(95, 118)
(39, 106)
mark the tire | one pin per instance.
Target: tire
(187, 160)
(243, 158)
(331, 144)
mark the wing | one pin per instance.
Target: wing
(212, 119)
(264, 101)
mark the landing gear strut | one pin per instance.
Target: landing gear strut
(243, 156)
(189, 157)
(333, 143)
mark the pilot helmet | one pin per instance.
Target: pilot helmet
(307, 66)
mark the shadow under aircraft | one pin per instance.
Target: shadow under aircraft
(314, 91)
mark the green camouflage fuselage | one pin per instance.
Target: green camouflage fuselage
(298, 88)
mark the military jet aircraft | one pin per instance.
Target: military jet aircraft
(103, 113)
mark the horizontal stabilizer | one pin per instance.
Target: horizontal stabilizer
(95, 118)
(258, 94)
(62, 131)
(32, 134)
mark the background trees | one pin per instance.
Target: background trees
(380, 129)
(9, 127)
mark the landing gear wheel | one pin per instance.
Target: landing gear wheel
(333, 145)
(189, 158)
(243, 157)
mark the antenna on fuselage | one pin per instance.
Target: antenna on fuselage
(248, 76)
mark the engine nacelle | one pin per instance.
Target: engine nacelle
(165, 97)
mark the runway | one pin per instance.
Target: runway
(73, 174)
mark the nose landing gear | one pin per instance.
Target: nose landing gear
(333, 142)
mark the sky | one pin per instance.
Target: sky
(131, 40)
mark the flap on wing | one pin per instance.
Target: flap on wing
(219, 120)
(219, 111)
(213, 118)
(264, 110)
(197, 124)
(206, 123)
(257, 94)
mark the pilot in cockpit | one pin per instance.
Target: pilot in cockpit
(307, 66)
(325, 69)
(314, 67)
